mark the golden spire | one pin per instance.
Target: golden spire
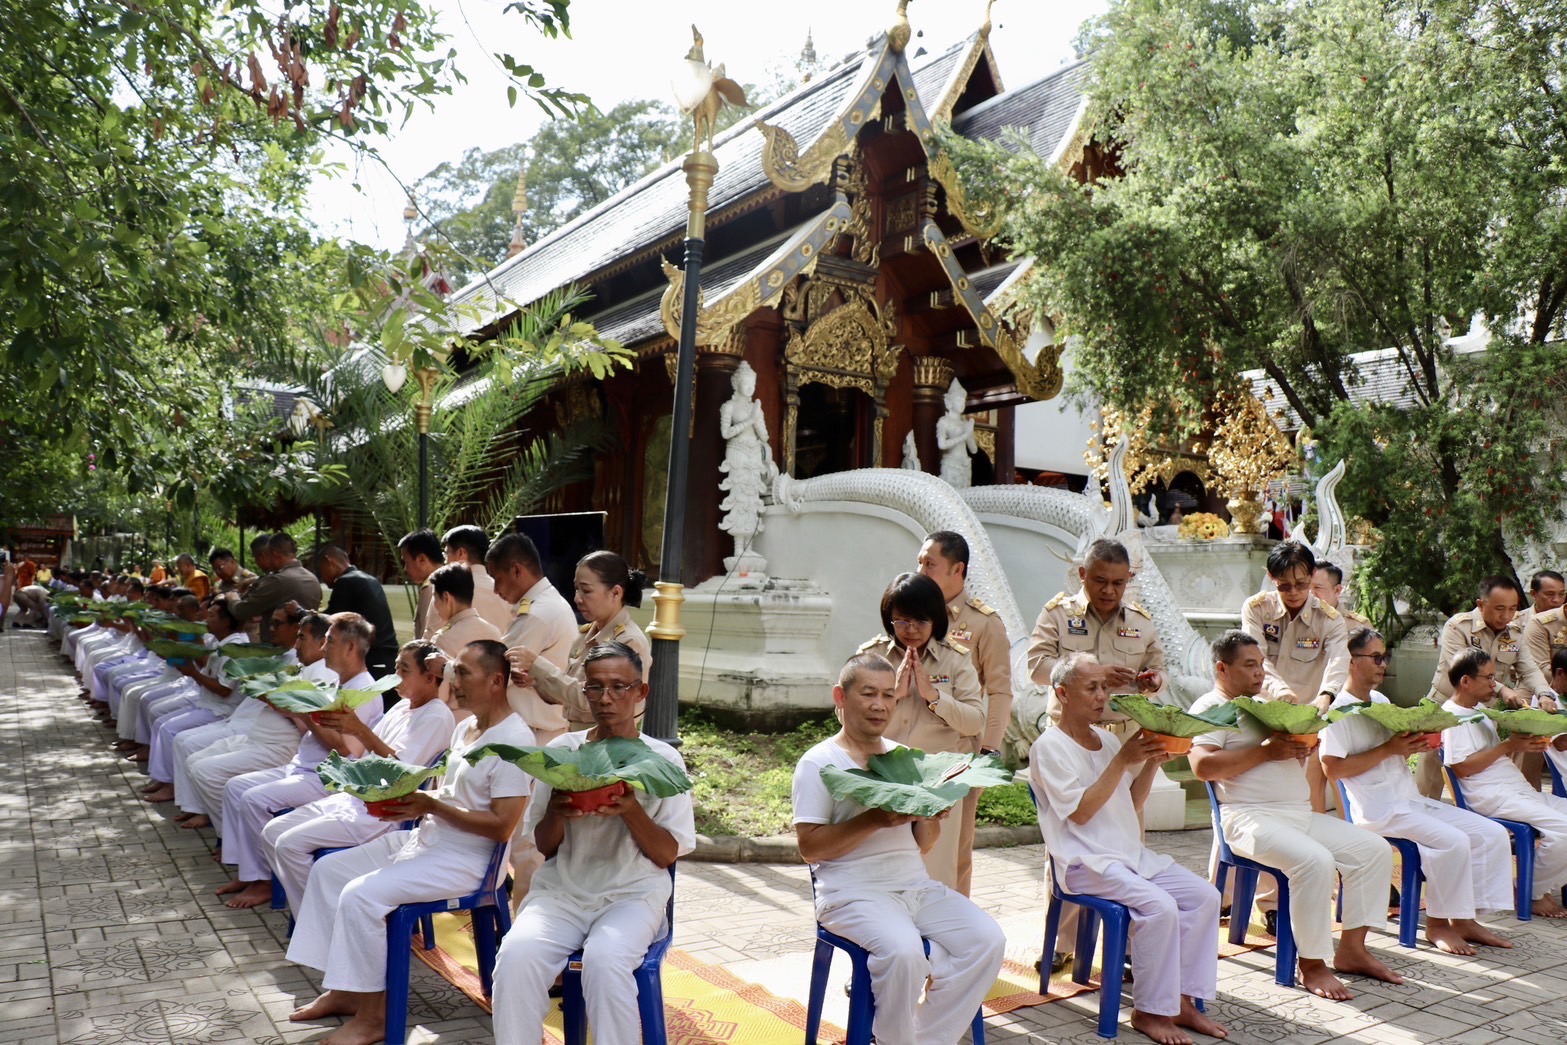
(519, 207)
(984, 30)
(898, 35)
(410, 215)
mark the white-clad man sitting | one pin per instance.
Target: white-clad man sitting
(1090, 786)
(1466, 858)
(872, 886)
(341, 928)
(604, 885)
(1492, 783)
(1261, 782)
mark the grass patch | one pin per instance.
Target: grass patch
(743, 780)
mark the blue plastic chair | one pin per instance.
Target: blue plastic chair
(1413, 878)
(1524, 839)
(650, 987)
(1558, 788)
(1246, 872)
(862, 1002)
(1117, 933)
(490, 907)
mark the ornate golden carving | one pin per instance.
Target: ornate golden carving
(932, 372)
(980, 220)
(1145, 462)
(788, 168)
(856, 186)
(986, 438)
(902, 214)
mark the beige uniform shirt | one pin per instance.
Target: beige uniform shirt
(545, 623)
(956, 720)
(486, 603)
(973, 624)
(1543, 634)
(464, 627)
(425, 619)
(1068, 624)
(1515, 669)
(563, 686)
(1303, 656)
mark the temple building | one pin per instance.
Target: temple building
(844, 263)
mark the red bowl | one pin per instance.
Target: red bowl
(379, 808)
(1433, 741)
(1309, 739)
(1174, 745)
(598, 798)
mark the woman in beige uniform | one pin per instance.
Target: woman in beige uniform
(941, 706)
(605, 586)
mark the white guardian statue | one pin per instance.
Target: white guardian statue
(955, 438)
(748, 469)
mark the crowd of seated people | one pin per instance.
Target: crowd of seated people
(498, 659)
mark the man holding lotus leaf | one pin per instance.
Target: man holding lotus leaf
(1088, 803)
(1466, 858)
(607, 850)
(865, 810)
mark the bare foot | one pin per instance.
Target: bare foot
(180, 818)
(163, 794)
(195, 823)
(331, 1003)
(1545, 907)
(1361, 962)
(253, 895)
(1445, 937)
(363, 1029)
(233, 885)
(1198, 1021)
(1474, 932)
(139, 755)
(124, 745)
(153, 785)
(1321, 982)
(1160, 1028)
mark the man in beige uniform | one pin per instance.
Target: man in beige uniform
(944, 559)
(452, 605)
(1327, 584)
(421, 555)
(1545, 623)
(1491, 626)
(469, 544)
(1121, 635)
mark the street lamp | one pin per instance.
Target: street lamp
(306, 414)
(393, 375)
(701, 91)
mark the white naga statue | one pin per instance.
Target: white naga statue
(911, 455)
(748, 468)
(955, 438)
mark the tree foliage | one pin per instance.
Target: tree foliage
(1297, 183)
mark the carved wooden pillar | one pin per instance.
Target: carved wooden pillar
(706, 545)
(932, 376)
(1006, 446)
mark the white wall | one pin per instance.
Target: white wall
(1052, 436)
(1037, 558)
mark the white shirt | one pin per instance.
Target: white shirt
(1387, 787)
(1497, 780)
(416, 735)
(474, 787)
(888, 861)
(1061, 770)
(1280, 784)
(598, 862)
(229, 707)
(1346, 698)
(311, 751)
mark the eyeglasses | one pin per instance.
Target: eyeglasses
(899, 624)
(598, 689)
(1290, 589)
(1377, 658)
(1491, 678)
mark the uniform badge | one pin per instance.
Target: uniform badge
(1271, 632)
(1128, 633)
(1308, 643)
(961, 635)
(1077, 625)
(941, 680)
(1507, 647)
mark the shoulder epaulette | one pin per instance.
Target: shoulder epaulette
(1061, 597)
(1138, 609)
(618, 629)
(524, 608)
(1329, 610)
(1357, 618)
(979, 604)
(955, 644)
(871, 644)
(1550, 616)
(1257, 599)
(584, 629)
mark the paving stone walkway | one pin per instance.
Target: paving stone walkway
(110, 934)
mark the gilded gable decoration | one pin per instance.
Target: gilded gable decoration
(795, 170)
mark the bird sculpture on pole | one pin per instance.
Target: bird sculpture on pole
(706, 92)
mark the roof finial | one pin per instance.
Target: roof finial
(984, 30)
(519, 207)
(808, 58)
(410, 215)
(898, 35)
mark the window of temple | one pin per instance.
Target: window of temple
(833, 433)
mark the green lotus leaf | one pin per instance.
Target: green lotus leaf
(1528, 721)
(595, 764)
(1170, 721)
(914, 783)
(177, 650)
(250, 667)
(373, 778)
(306, 696)
(264, 685)
(1280, 716)
(179, 624)
(253, 650)
(1425, 717)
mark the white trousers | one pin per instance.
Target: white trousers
(291, 840)
(341, 927)
(95, 639)
(1309, 847)
(134, 719)
(200, 732)
(1466, 858)
(249, 801)
(613, 941)
(966, 948)
(127, 675)
(1546, 814)
(1175, 931)
(95, 678)
(210, 773)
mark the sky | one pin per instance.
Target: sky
(625, 49)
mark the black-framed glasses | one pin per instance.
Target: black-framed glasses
(1378, 659)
